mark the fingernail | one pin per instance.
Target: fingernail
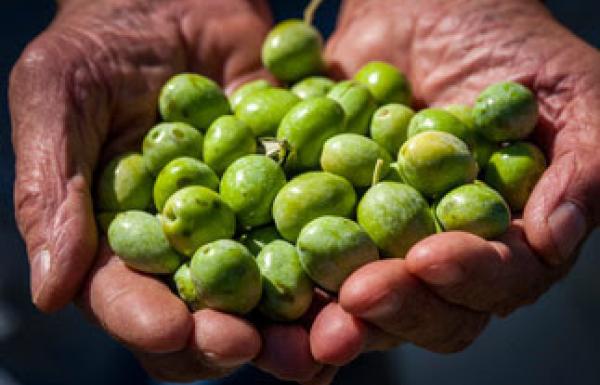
(385, 307)
(442, 274)
(40, 266)
(568, 227)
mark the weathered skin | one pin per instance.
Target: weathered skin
(263, 110)
(395, 216)
(249, 187)
(180, 173)
(357, 102)
(309, 196)
(259, 237)
(85, 90)
(227, 139)
(475, 208)
(355, 158)
(433, 162)
(389, 126)
(137, 238)
(306, 127)
(435, 119)
(331, 248)
(312, 86)
(124, 184)
(287, 291)
(246, 89)
(386, 82)
(167, 141)
(481, 148)
(186, 289)
(193, 99)
(460, 47)
(292, 51)
(505, 111)
(226, 277)
(514, 172)
(194, 216)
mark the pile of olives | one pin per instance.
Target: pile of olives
(250, 201)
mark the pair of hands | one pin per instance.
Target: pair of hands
(86, 89)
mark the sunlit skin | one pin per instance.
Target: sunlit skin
(93, 78)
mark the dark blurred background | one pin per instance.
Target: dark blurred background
(554, 342)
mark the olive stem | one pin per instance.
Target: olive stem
(309, 11)
(377, 172)
(274, 148)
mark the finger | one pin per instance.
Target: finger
(219, 344)
(135, 308)
(564, 207)
(337, 337)
(286, 353)
(54, 152)
(385, 294)
(227, 48)
(467, 270)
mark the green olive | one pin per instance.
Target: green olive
(358, 105)
(186, 289)
(263, 110)
(514, 172)
(227, 139)
(386, 83)
(137, 238)
(312, 86)
(331, 248)
(505, 111)
(435, 119)
(246, 89)
(356, 158)
(287, 290)
(395, 216)
(249, 187)
(259, 237)
(193, 99)
(309, 196)
(481, 148)
(434, 162)
(475, 208)
(167, 141)
(180, 173)
(125, 184)
(194, 216)
(226, 277)
(292, 51)
(389, 126)
(306, 127)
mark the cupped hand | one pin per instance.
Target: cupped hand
(85, 90)
(443, 293)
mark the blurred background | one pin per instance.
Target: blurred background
(554, 342)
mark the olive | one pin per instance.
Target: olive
(331, 248)
(395, 216)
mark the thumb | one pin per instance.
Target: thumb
(53, 153)
(563, 207)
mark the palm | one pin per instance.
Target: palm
(450, 52)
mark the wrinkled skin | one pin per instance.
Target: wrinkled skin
(476, 42)
(93, 79)
(441, 296)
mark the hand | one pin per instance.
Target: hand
(85, 90)
(441, 296)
